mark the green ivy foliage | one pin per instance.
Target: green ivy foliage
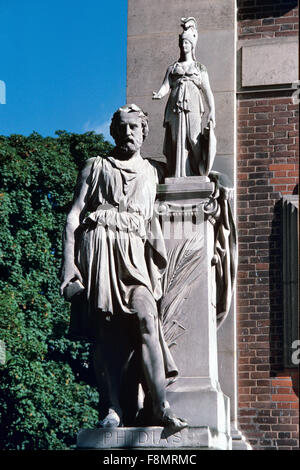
(47, 390)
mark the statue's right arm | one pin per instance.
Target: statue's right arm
(75, 216)
(165, 88)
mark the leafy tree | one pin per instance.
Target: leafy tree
(47, 389)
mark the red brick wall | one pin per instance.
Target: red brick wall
(267, 19)
(267, 169)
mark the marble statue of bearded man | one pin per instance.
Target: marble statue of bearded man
(114, 254)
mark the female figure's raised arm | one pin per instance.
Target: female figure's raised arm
(165, 88)
(75, 216)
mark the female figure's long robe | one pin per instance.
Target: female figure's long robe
(183, 121)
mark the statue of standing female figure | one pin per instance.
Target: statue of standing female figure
(189, 150)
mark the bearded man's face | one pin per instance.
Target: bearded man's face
(129, 138)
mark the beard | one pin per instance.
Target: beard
(129, 146)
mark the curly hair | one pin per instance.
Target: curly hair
(129, 108)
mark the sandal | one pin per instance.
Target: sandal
(111, 420)
(169, 420)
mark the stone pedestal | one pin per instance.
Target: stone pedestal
(189, 314)
(239, 441)
(201, 438)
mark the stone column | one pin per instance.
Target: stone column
(188, 307)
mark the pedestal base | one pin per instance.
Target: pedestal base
(239, 441)
(201, 438)
(200, 406)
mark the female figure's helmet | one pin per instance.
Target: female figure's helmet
(189, 32)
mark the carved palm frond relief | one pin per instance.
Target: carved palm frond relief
(184, 262)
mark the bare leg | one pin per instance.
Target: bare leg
(108, 385)
(111, 353)
(152, 359)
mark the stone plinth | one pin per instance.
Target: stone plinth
(273, 62)
(152, 437)
(188, 307)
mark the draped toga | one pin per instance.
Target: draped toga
(119, 245)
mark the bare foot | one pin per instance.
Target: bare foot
(111, 420)
(166, 418)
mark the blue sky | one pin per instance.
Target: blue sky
(63, 64)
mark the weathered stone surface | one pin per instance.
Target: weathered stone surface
(147, 60)
(162, 16)
(183, 188)
(225, 164)
(239, 441)
(148, 56)
(152, 437)
(216, 51)
(226, 350)
(155, 110)
(225, 127)
(272, 63)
